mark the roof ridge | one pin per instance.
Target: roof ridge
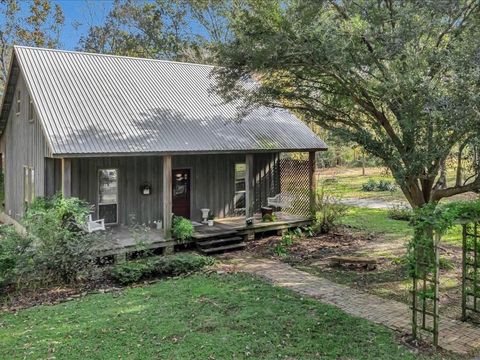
(109, 55)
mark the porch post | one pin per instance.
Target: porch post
(249, 185)
(66, 172)
(167, 196)
(312, 183)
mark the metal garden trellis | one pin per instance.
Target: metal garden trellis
(426, 276)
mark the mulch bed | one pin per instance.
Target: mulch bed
(12, 301)
(340, 242)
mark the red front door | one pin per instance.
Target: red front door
(181, 192)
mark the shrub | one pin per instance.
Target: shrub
(328, 213)
(382, 185)
(385, 185)
(269, 218)
(400, 212)
(168, 265)
(287, 241)
(182, 229)
(14, 253)
(63, 251)
(370, 185)
(130, 272)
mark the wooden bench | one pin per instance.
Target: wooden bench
(369, 263)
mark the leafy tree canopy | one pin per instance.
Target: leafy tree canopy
(185, 30)
(31, 23)
(400, 78)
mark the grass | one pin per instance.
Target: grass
(377, 221)
(348, 184)
(198, 317)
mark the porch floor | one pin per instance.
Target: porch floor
(122, 239)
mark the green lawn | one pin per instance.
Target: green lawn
(349, 185)
(377, 221)
(198, 317)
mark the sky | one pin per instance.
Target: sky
(79, 16)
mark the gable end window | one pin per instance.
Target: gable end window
(31, 110)
(19, 102)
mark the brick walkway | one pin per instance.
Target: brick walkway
(456, 336)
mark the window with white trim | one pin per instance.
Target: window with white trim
(240, 186)
(31, 110)
(19, 101)
(28, 184)
(108, 195)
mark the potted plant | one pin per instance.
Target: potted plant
(210, 219)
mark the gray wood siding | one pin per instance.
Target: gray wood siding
(212, 183)
(25, 145)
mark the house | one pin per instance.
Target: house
(139, 139)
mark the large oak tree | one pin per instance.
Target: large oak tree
(400, 78)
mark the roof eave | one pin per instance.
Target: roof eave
(177, 153)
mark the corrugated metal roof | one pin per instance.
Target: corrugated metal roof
(103, 104)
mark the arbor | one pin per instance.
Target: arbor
(37, 25)
(400, 78)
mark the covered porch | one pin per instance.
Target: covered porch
(119, 240)
(137, 196)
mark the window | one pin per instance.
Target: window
(31, 111)
(19, 102)
(108, 195)
(240, 173)
(28, 184)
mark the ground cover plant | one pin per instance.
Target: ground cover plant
(182, 263)
(216, 316)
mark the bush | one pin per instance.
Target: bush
(182, 229)
(14, 251)
(370, 185)
(168, 265)
(400, 212)
(132, 271)
(63, 251)
(385, 185)
(382, 185)
(269, 218)
(328, 213)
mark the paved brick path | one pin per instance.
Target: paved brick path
(457, 336)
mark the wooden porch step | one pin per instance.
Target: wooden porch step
(219, 241)
(231, 247)
(212, 234)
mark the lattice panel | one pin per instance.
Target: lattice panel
(470, 271)
(294, 180)
(425, 297)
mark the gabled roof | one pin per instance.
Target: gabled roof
(103, 104)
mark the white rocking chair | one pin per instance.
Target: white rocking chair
(94, 225)
(282, 200)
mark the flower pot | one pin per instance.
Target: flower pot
(210, 222)
(205, 213)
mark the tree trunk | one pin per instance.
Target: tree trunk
(442, 181)
(363, 163)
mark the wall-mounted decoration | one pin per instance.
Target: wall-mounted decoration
(146, 188)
